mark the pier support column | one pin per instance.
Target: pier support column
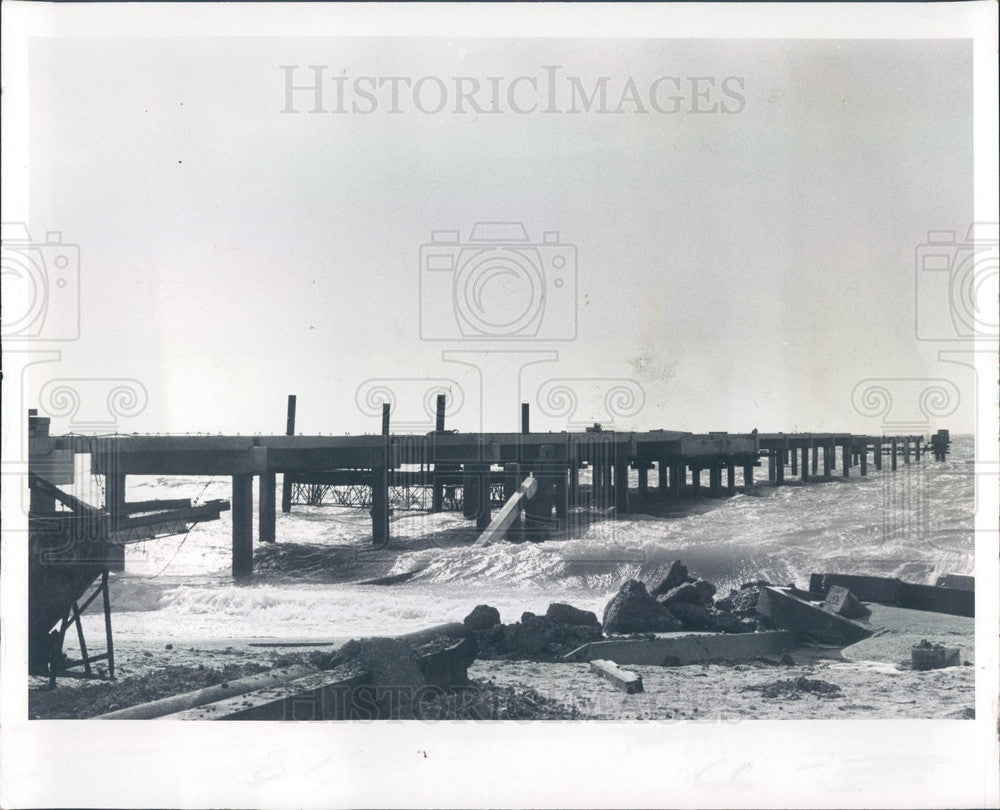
(864, 461)
(715, 481)
(795, 460)
(878, 455)
(731, 479)
(894, 453)
(678, 473)
(772, 466)
(747, 477)
(380, 507)
(779, 472)
(621, 485)
(114, 503)
(916, 446)
(511, 481)
(643, 477)
(661, 479)
(470, 493)
(266, 491)
(829, 460)
(484, 514)
(696, 481)
(574, 484)
(562, 504)
(242, 508)
(805, 464)
(814, 469)
(906, 450)
(287, 483)
(845, 460)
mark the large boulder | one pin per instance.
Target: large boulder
(706, 590)
(559, 613)
(483, 617)
(538, 638)
(682, 593)
(633, 610)
(677, 575)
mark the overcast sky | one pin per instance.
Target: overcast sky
(741, 268)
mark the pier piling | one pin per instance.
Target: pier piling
(266, 517)
(286, 480)
(242, 507)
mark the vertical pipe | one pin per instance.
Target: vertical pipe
(525, 418)
(286, 479)
(267, 488)
(439, 413)
(437, 488)
(385, 418)
(242, 508)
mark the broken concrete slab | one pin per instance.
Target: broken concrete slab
(954, 601)
(626, 680)
(884, 590)
(812, 621)
(958, 581)
(934, 656)
(680, 649)
(841, 601)
(892, 591)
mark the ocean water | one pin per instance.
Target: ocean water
(916, 523)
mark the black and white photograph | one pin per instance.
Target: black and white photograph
(500, 405)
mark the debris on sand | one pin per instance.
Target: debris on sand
(534, 638)
(926, 656)
(794, 689)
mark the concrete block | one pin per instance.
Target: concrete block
(953, 601)
(680, 649)
(957, 581)
(812, 621)
(629, 682)
(934, 656)
(844, 603)
(884, 590)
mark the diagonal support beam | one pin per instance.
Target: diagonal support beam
(508, 513)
